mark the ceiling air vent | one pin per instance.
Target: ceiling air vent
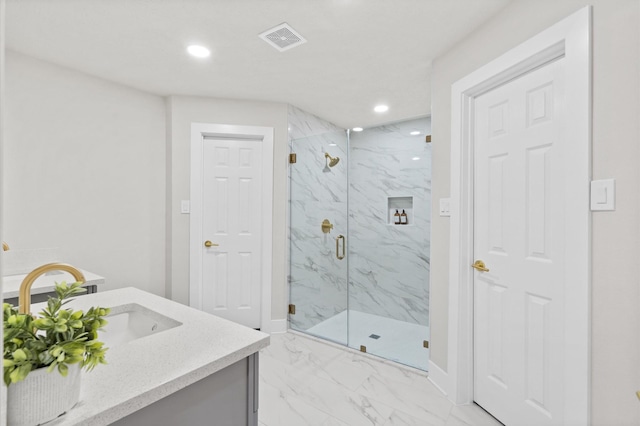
(282, 37)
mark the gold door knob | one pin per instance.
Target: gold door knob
(480, 266)
(210, 244)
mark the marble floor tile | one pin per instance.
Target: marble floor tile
(418, 401)
(332, 421)
(341, 371)
(398, 418)
(471, 415)
(286, 410)
(298, 350)
(350, 407)
(364, 364)
(307, 381)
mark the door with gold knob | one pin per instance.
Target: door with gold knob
(519, 246)
(230, 251)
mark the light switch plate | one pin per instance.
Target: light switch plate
(603, 195)
(445, 207)
(185, 207)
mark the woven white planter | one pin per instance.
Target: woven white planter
(42, 396)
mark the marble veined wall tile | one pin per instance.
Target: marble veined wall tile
(389, 264)
(318, 280)
(303, 124)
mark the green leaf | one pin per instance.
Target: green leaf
(45, 358)
(19, 355)
(76, 324)
(12, 320)
(43, 323)
(20, 373)
(63, 369)
(60, 328)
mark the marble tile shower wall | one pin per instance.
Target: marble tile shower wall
(303, 124)
(318, 280)
(389, 264)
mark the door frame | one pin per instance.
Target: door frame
(200, 131)
(571, 39)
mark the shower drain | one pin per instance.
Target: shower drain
(374, 336)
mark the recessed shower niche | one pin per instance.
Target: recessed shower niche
(364, 284)
(400, 210)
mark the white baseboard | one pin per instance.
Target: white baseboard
(439, 378)
(278, 326)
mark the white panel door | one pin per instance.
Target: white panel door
(520, 167)
(231, 210)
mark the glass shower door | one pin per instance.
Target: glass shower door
(318, 219)
(389, 172)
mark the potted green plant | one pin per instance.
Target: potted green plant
(58, 339)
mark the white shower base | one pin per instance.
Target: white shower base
(399, 341)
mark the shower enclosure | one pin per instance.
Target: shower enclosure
(359, 272)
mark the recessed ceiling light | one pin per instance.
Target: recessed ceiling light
(357, 129)
(333, 144)
(414, 133)
(198, 51)
(381, 108)
(415, 158)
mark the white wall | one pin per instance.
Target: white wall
(616, 150)
(181, 112)
(84, 170)
(98, 170)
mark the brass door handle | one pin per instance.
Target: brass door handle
(338, 247)
(210, 244)
(480, 266)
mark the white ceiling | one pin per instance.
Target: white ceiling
(358, 53)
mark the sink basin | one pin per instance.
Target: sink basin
(131, 322)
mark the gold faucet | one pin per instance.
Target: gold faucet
(5, 246)
(25, 288)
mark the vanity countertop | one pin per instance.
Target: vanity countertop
(147, 369)
(45, 283)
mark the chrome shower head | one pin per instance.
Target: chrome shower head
(332, 160)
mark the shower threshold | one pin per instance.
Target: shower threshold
(388, 338)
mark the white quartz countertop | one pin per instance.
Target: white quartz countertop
(147, 369)
(45, 283)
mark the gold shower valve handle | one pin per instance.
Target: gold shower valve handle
(326, 226)
(208, 244)
(480, 266)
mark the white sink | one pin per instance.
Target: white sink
(131, 322)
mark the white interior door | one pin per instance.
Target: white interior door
(520, 172)
(231, 220)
